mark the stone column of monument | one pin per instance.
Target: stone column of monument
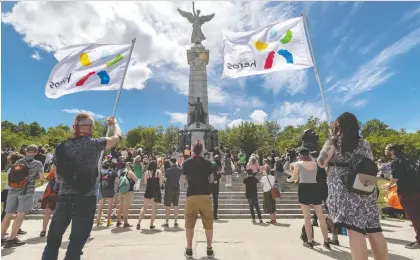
(198, 127)
(198, 58)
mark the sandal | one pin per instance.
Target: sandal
(271, 222)
(138, 227)
(43, 234)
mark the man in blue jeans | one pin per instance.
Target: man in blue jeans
(73, 206)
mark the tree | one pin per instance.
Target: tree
(134, 137)
(374, 126)
(36, 130)
(149, 139)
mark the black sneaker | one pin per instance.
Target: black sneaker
(188, 253)
(413, 245)
(3, 241)
(21, 232)
(333, 242)
(176, 224)
(308, 244)
(315, 223)
(13, 243)
(327, 245)
(210, 252)
(165, 225)
(253, 221)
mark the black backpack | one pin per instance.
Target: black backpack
(107, 182)
(74, 174)
(362, 175)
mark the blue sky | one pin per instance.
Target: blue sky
(367, 54)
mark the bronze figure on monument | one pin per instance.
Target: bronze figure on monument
(198, 114)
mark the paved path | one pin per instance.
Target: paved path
(234, 239)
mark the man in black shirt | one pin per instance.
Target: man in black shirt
(252, 195)
(407, 178)
(198, 172)
(172, 191)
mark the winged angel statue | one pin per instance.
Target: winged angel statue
(197, 21)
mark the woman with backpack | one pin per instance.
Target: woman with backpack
(358, 213)
(126, 182)
(153, 179)
(49, 199)
(109, 180)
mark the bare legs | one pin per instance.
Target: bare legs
(320, 214)
(100, 208)
(228, 180)
(154, 209)
(307, 218)
(378, 245)
(190, 236)
(46, 219)
(17, 223)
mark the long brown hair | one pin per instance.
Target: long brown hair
(346, 132)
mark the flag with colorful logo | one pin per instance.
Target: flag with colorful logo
(87, 67)
(275, 47)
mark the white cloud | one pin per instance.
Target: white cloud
(294, 81)
(297, 113)
(177, 118)
(346, 21)
(162, 34)
(360, 103)
(77, 111)
(328, 79)
(236, 122)
(376, 71)
(258, 116)
(36, 56)
(219, 122)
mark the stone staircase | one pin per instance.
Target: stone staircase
(232, 203)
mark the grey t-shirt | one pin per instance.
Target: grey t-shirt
(86, 150)
(173, 174)
(35, 168)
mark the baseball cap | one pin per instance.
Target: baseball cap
(31, 149)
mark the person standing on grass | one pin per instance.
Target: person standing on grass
(252, 195)
(20, 198)
(77, 168)
(172, 191)
(197, 171)
(406, 174)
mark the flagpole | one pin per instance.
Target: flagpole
(317, 71)
(133, 41)
(122, 84)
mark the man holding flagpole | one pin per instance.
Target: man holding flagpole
(84, 67)
(77, 161)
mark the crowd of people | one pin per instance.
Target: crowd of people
(326, 179)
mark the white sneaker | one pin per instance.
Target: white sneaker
(114, 212)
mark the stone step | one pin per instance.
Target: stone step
(181, 216)
(226, 202)
(222, 205)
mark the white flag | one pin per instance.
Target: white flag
(87, 67)
(275, 47)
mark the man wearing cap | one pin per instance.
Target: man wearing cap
(21, 200)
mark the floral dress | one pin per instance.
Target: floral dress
(356, 212)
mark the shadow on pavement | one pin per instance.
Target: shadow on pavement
(387, 230)
(174, 229)
(281, 225)
(118, 230)
(36, 240)
(7, 251)
(397, 241)
(219, 221)
(65, 244)
(343, 255)
(389, 225)
(99, 228)
(150, 231)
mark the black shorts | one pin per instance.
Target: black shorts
(106, 194)
(171, 196)
(309, 194)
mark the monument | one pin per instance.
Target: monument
(198, 126)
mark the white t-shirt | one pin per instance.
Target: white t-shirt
(266, 184)
(124, 154)
(48, 158)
